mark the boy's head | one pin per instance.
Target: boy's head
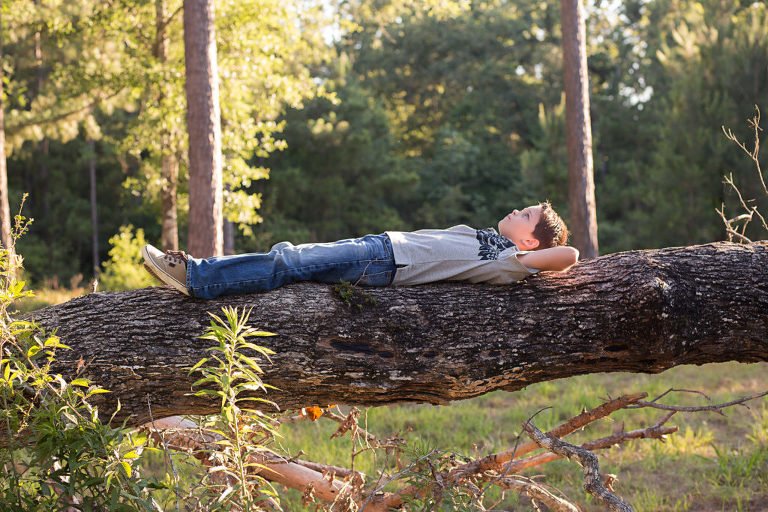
(534, 227)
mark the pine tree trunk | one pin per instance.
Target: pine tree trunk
(204, 127)
(229, 237)
(637, 311)
(94, 209)
(5, 208)
(581, 184)
(169, 164)
(170, 226)
(43, 150)
(41, 200)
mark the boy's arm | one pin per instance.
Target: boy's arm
(554, 258)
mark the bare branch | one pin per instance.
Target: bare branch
(588, 461)
(751, 209)
(656, 431)
(714, 408)
(496, 461)
(754, 155)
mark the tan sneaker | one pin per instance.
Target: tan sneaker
(169, 267)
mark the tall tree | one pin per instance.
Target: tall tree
(578, 133)
(265, 72)
(169, 164)
(5, 210)
(204, 129)
(43, 145)
(94, 211)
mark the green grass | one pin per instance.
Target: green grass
(48, 297)
(714, 462)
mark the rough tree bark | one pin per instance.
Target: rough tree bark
(578, 132)
(637, 311)
(204, 127)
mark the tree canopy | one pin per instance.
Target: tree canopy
(373, 116)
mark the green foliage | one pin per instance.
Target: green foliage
(417, 114)
(260, 75)
(472, 96)
(232, 377)
(123, 270)
(713, 69)
(340, 175)
(90, 70)
(56, 451)
(458, 98)
(56, 177)
(544, 167)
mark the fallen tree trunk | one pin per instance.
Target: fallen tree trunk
(638, 311)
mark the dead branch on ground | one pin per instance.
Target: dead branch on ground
(336, 488)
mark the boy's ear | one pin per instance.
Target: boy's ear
(532, 244)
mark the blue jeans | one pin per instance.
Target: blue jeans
(367, 261)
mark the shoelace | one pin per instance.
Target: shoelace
(176, 256)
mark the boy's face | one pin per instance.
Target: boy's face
(518, 226)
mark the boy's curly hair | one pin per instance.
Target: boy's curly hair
(550, 231)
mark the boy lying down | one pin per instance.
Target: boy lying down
(527, 241)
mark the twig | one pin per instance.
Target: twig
(534, 490)
(754, 155)
(671, 390)
(381, 503)
(496, 462)
(754, 122)
(715, 408)
(341, 419)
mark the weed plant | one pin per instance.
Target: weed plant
(57, 452)
(240, 429)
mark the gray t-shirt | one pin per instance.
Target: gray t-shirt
(459, 253)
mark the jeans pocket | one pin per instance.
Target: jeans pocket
(376, 279)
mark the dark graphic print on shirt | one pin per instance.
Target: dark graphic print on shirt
(491, 244)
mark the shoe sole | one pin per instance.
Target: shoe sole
(155, 272)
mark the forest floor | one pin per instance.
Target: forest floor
(713, 463)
